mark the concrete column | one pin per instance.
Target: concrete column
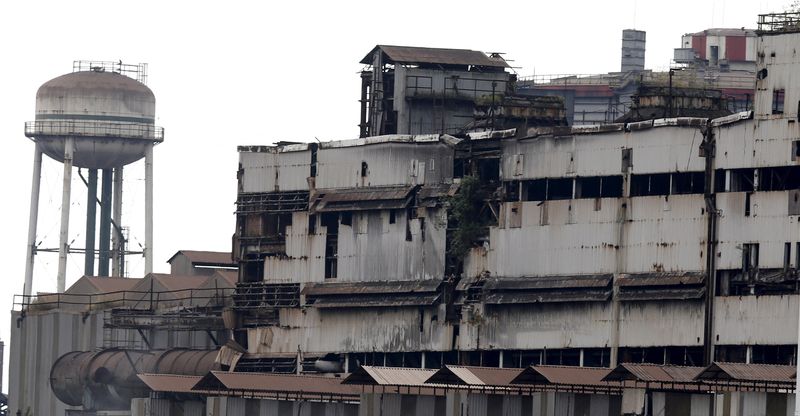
(117, 239)
(148, 209)
(91, 222)
(33, 218)
(63, 237)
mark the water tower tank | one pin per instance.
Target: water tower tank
(110, 115)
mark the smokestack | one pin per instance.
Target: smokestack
(633, 47)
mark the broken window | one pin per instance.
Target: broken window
(688, 183)
(560, 188)
(647, 185)
(749, 258)
(331, 223)
(777, 100)
(741, 180)
(364, 169)
(347, 218)
(392, 216)
(312, 224)
(787, 256)
(598, 187)
(536, 190)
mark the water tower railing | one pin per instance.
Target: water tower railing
(135, 71)
(89, 128)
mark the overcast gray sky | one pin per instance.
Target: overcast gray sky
(239, 72)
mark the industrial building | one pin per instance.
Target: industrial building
(437, 267)
(714, 63)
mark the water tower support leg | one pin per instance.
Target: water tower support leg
(148, 209)
(33, 218)
(117, 239)
(63, 243)
(91, 222)
(105, 222)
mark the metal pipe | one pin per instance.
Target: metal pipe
(117, 239)
(91, 222)
(33, 218)
(105, 223)
(148, 209)
(63, 243)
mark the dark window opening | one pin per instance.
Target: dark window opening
(312, 224)
(347, 218)
(719, 181)
(773, 354)
(588, 187)
(627, 159)
(489, 169)
(331, 223)
(749, 257)
(522, 358)
(570, 357)
(491, 359)
(777, 101)
(742, 180)
(459, 168)
(787, 256)
(392, 216)
(596, 357)
(730, 353)
(747, 204)
(422, 228)
(651, 355)
(688, 183)
(648, 185)
(559, 188)
(364, 169)
(690, 356)
(512, 191)
(536, 190)
(782, 178)
(408, 225)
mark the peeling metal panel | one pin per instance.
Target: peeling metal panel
(359, 199)
(373, 294)
(273, 171)
(770, 320)
(661, 323)
(348, 330)
(387, 164)
(537, 326)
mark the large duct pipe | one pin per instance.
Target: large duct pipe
(107, 380)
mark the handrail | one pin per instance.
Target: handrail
(92, 128)
(56, 300)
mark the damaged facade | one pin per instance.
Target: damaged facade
(592, 243)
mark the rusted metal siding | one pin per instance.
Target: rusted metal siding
(768, 224)
(536, 326)
(305, 255)
(759, 143)
(271, 171)
(353, 330)
(363, 249)
(769, 320)
(659, 234)
(662, 323)
(387, 163)
(777, 52)
(655, 150)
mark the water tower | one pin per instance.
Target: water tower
(100, 117)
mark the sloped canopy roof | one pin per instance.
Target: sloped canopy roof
(389, 376)
(485, 376)
(416, 55)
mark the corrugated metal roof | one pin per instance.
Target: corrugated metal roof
(564, 376)
(170, 383)
(485, 376)
(416, 55)
(360, 199)
(389, 376)
(661, 279)
(371, 287)
(111, 284)
(426, 299)
(275, 383)
(206, 257)
(749, 372)
(653, 373)
(548, 282)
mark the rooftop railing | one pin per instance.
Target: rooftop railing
(779, 22)
(146, 299)
(90, 128)
(135, 71)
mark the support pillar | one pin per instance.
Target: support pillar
(117, 238)
(33, 219)
(91, 222)
(105, 223)
(148, 210)
(63, 236)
